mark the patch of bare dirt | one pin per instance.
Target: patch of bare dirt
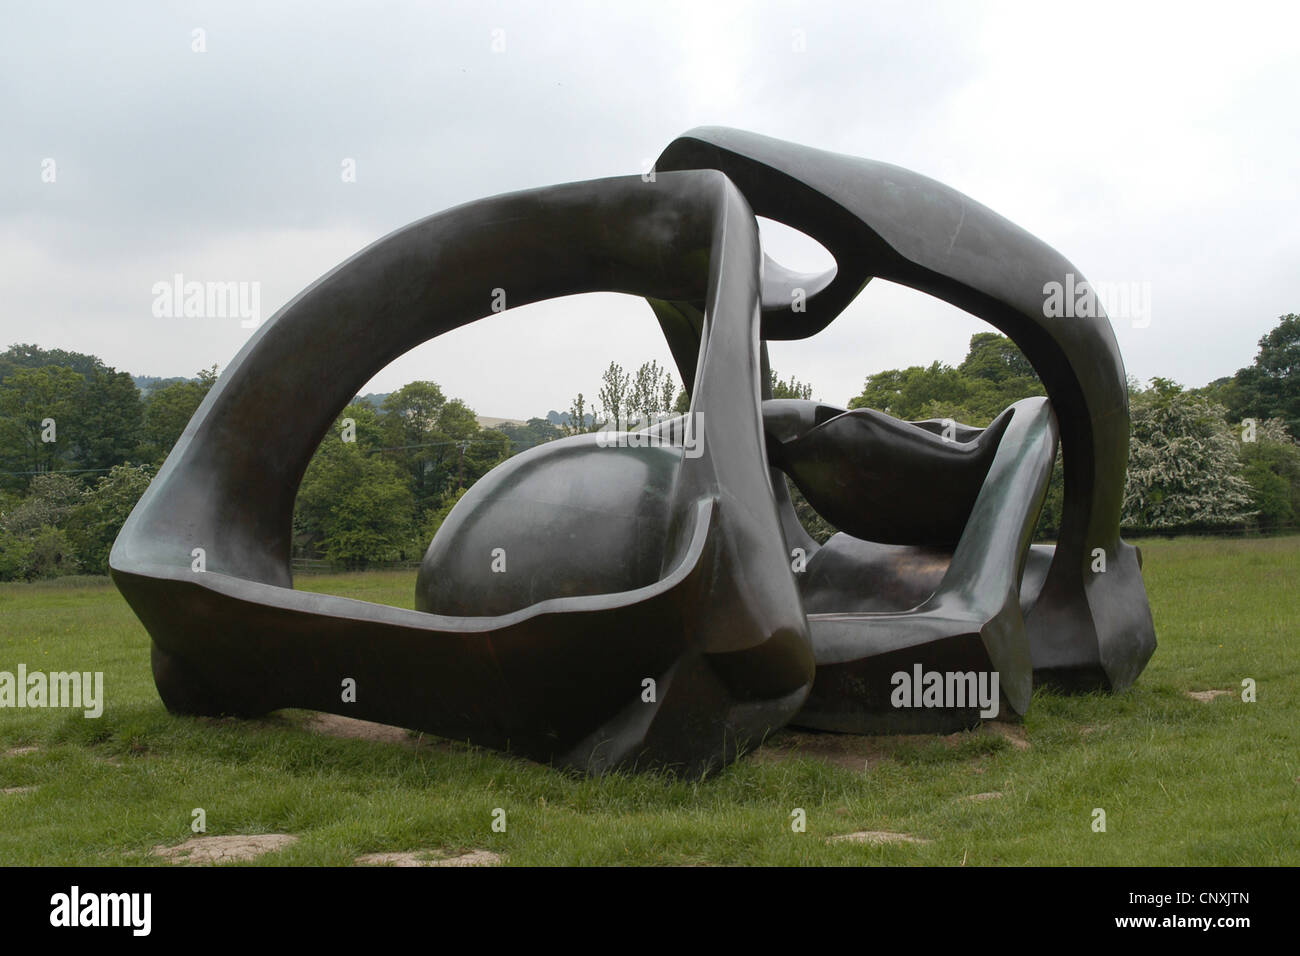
(425, 858)
(9, 790)
(224, 849)
(862, 751)
(843, 750)
(876, 836)
(21, 751)
(1205, 696)
(271, 721)
(349, 728)
(333, 725)
(991, 795)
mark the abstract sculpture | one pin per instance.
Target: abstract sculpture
(650, 612)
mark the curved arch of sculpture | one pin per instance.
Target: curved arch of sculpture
(1087, 629)
(720, 628)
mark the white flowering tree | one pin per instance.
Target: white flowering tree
(1184, 470)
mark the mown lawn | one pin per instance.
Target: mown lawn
(1181, 781)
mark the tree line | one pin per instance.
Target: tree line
(80, 442)
(1223, 456)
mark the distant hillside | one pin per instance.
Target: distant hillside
(151, 383)
(562, 419)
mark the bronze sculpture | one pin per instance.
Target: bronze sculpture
(598, 607)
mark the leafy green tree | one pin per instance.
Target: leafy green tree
(626, 400)
(436, 517)
(651, 393)
(81, 415)
(993, 376)
(614, 395)
(418, 407)
(999, 376)
(362, 425)
(995, 358)
(15, 556)
(49, 555)
(483, 452)
(1270, 496)
(168, 410)
(93, 525)
(457, 421)
(439, 442)
(33, 356)
(49, 500)
(1222, 391)
(579, 419)
(1271, 465)
(368, 521)
(1270, 388)
(535, 431)
(148, 384)
(412, 424)
(790, 389)
(913, 392)
(1183, 471)
(32, 545)
(470, 451)
(44, 552)
(354, 507)
(106, 429)
(37, 404)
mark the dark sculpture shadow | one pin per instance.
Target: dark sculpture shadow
(645, 611)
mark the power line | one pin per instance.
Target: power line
(59, 471)
(432, 444)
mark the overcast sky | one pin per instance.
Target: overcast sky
(1151, 144)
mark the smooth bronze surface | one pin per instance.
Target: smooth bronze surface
(650, 599)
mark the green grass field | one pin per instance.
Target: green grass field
(1181, 780)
